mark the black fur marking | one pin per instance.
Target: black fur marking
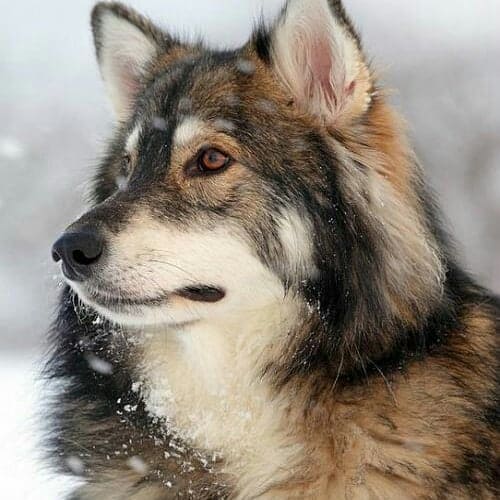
(347, 296)
(262, 43)
(341, 14)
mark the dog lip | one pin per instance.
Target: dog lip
(201, 293)
(107, 300)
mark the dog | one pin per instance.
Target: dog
(262, 301)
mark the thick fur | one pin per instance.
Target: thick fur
(350, 357)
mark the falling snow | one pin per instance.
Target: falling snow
(266, 106)
(232, 100)
(138, 465)
(121, 182)
(159, 123)
(98, 365)
(223, 125)
(185, 105)
(76, 465)
(245, 66)
(136, 386)
(11, 148)
(98, 320)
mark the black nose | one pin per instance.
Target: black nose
(79, 251)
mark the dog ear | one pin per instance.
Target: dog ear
(316, 53)
(126, 44)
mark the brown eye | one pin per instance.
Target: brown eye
(212, 159)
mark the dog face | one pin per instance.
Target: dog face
(237, 178)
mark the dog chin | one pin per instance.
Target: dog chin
(125, 316)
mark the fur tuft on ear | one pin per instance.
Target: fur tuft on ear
(316, 53)
(126, 43)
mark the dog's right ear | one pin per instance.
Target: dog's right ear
(316, 54)
(126, 44)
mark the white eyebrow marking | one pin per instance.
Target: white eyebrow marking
(133, 138)
(187, 130)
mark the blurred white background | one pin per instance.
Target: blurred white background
(440, 57)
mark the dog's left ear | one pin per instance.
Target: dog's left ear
(316, 53)
(126, 44)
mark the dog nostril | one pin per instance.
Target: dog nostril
(55, 256)
(85, 260)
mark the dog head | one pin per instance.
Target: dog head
(236, 178)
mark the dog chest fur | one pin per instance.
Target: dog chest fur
(205, 381)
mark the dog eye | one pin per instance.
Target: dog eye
(212, 159)
(126, 161)
(125, 164)
(208, 161)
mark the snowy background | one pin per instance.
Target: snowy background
(440, 57)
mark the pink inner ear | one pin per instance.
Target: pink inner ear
(350, 88)
(128, 81)
(321, 64)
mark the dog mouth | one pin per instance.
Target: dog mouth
(201, 293)
(194, 293)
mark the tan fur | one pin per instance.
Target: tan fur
(390, 191)
(370, 441)
(376, 440)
